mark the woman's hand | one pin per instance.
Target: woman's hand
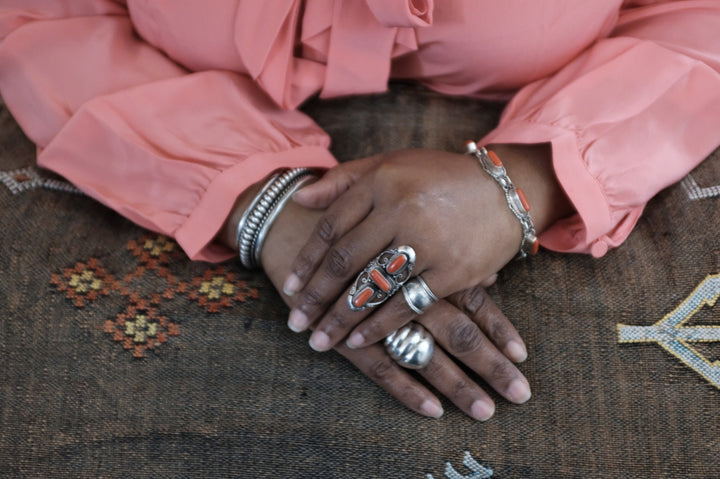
(442, 204)
(467, 326)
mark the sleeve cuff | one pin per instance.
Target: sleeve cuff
(585, 232)
(196, 235)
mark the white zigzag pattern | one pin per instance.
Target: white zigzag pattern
(25, 179)
(696, 192)
(478, 471)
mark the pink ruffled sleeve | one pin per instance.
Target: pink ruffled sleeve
(630, 116)
(168, 149)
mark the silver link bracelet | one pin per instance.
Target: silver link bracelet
(529, 243)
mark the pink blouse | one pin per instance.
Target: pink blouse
(166, 110)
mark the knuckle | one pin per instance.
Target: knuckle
(460, 387)
(303, 265)
(337, 320)
(498, 330)
(502, 371)
(311, 299)
(475, 301)
(382, 370)
(464, 339)
(338, 262)
(434, 369)
(325, 230)
(372, 328)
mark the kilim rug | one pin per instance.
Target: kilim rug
(119, 357)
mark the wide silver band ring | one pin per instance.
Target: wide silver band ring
(412, 346)
(418, 295)
(381, 278)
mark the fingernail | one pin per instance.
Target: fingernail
(482, 411)
(432, 409)
(355, 340)
(292, 285)
(519, 392)
(297, 321)
(320, 341)
(516, 351)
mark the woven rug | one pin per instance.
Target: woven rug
(119, 357)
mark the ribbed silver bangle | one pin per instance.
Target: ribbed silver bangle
(256, 215)
(291, 188)
(516, 200)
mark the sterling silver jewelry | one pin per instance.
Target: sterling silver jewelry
(257, 219)
(515, 197)
(295, 185)
(412, 346)
(381, 278)
(418, 295)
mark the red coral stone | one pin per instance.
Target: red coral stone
(494, 158)
(523, 199)
(380, 280)
(396, 264)
(362, 297)
(535, 246)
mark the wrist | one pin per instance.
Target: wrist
(228, 233)
(258, 218)
(530, 168)
(288, 233)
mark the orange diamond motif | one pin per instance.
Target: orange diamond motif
(140, 327)
(217, 288)
(84, 282)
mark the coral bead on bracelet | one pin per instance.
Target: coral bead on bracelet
(516, 199)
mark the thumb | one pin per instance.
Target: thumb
(334, 183)
(489, 281)
(325, 190)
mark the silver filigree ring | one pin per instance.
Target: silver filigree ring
(412, 346)
(381, 278)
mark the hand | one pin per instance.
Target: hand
(452, 213)
(470, 328)
(467, 326)
(477, 333)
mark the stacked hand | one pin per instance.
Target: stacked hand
(456, 219)
(441, 204)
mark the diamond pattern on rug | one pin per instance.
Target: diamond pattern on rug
(29, 178)
(218, 289)
(140, 327)
(84, 282)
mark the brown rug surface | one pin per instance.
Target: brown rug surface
(121, 358)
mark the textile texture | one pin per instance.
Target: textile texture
(119, 357)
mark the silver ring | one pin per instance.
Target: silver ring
(381, 278)
(418, 295)
(412, 346)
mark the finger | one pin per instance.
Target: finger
(375, 363)
(489, 281)
(463, 340)
(343, 215)
(335, 325)
(453, 383)
(380, 322)
(334, 183)
(325, 190)
(392, 315)
(343, 262)
(477, 305)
